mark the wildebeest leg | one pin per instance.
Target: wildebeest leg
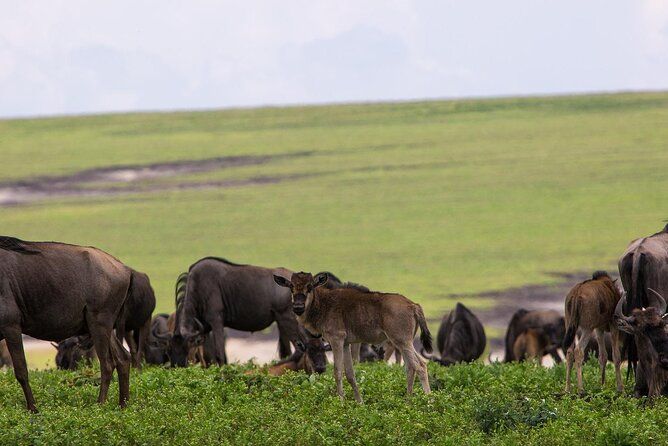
(602, 353)
(337, 352)
(15, 347)
(579, 356)
(121, 360)
(218, 331)
(616, 358)
(569, 367)
(102, 336)
(141, 342)
(397, 356)
(350, 371)
(355, 352)
(129, 339)
(287, 332)
(389, 350)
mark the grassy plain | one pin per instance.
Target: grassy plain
(428, 198)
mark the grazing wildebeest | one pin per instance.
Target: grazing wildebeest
(157, 344)
(648, 327)
(134, 322)
(309, 356)
(346, 316)
(550, 321)
(461, 337)
(643, 265)
(533, 344)
(224, 294)
(590, 307)
(71, 351)
(52, 291)
(5, 358)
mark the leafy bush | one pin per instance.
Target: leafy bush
(471, 404)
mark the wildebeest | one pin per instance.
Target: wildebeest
(532, 344)
(550, 321)
(71, 351)
(52, 291)
(346, 316)
(157, 344)
(648, 327)
(309, 357)
(643, 265)
(362, 352)
(134, 322)
(224, 294)
(461, 337)
(5, 358)
(590, 307)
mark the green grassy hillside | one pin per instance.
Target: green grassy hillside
(427, 198)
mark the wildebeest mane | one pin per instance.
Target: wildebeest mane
(180, 289)
(599, 274)
(334, 283)
(16, 245)
(219, 259)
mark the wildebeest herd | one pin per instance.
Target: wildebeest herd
(89, 302)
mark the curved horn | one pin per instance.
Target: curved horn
(662, 302)
(426, 355)
(162, 336)
(619, 309)
(54, 345)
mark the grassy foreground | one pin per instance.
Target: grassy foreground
(429, 199)
(471, 404)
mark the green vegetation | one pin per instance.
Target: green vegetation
(428, 198)
(471, 404)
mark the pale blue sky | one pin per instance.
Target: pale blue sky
(60, 57)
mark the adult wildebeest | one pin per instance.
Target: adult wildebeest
(71, 351)
(551, 323)
(52, 291)
(309, 357)
(643, 265)
(346, 316)
(5, 358)
(590, 307)
(134, 322)
(461, 337)
(224, 294)
(648, 328)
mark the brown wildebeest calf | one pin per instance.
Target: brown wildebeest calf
(590, 306)
(346, 316)
(533, 344)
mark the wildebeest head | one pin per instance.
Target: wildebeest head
(301, 287)
(647, 322)
(314, 352)
(183, 340)
(71, 351)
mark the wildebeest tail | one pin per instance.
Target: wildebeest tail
(425, 334)
(180, 288)
(572, 322)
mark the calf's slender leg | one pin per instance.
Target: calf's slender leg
(569, 367)
(15, 347)
(616, 358)
(337, 352)
(355, 351)
(602, 353)
(410, 360)
(579, 356)
(350, 372)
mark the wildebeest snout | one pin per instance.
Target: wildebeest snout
(299, 304)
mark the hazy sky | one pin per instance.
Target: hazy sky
(92, 56)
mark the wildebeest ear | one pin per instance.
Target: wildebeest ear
(282, 281)
(320, 280)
